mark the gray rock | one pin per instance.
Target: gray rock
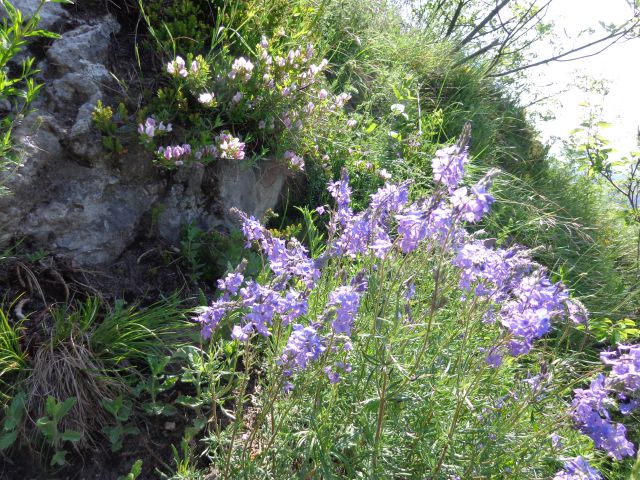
(69, 197)
(51, 14)
(87, 42)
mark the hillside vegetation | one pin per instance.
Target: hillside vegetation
(433, 297)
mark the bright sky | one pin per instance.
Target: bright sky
(620, 64)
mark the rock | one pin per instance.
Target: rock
(52, 15)
(69, 197)
(88, 43)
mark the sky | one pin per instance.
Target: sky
(619, 64)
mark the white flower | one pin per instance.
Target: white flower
(206, 99)
(397, 108)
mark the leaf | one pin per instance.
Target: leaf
(51, 405)
(63, 408)
(187, 401)
(372, 126)
(71, 436)
(43, 34)
(8, 439)
(397, 93)
(65, 2)
(136, 470)
(47, 427)
(59, 458)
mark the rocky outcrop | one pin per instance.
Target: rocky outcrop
(69, 197)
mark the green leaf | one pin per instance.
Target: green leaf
(47, 427)
(187, 401)
(372, 126)
(59, 458)
(65, 2)
(8, 439)
(51, 405)
(71, 436)
(63, 408)
(42, 34)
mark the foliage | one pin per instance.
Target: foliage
(12, 422)
(18, 87)
(121, 409)
(13, 360)
(49, 427)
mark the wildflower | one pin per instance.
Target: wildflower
(294, 161)
(177, 67)
(304, 345)
(148, 128)
(237, 97)
(577, 469)
(263, 42)
(261, 124)
(384, 175)
(351, 123)
(322, 94)
(625, 367)
(346, 302)
(589, 411)
(210, 317)
(207, 99)
(230, 147)
(577, 312)
(448, 166)
(471, 207)
(342, 99)
(334, 377)
(175, 152)
(231, 283)
(195, 67)
(242, 69)
(397, 108)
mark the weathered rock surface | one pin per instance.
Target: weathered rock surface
(69, 197)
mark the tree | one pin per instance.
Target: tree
(500, 34)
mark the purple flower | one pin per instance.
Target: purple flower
(577, 469)
(295, 161)
(346, 302)
(578, 313)
(304, 345)
(230, 147)
(177, 67)
(210, 317)
(589, 412)
(625, 367)
(448, 166)
(231, 283)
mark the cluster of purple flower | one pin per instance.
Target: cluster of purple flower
(178, 67)
(149, 128)
(175, 154)
(591, 407)
(577, 469)
(230, 147)
(523, 297)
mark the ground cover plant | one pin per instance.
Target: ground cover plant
(423, 304)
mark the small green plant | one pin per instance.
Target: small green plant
(18, 89)
(614, 331)
(136, 470)
(157, 382)
(13, 360)
(14, 415)
(103, 118)
(121, 410)
(49, 427)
